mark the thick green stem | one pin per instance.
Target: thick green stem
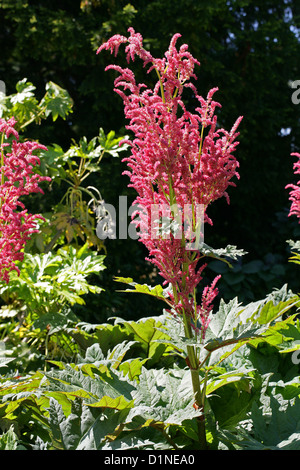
(199, 398)
(192, 359)
(199, 404)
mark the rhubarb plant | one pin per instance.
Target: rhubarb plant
(180, 163)
(131, 388)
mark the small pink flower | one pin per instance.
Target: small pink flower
(7, 127)
(295, 190)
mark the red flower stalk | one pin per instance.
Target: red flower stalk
(178, 159)
(17, 180)
(295, 192)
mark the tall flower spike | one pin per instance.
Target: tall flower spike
(295, 190)
(17, 179)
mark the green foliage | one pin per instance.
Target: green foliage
(37, 303)
(221, 254)
(156, 291)
(26, 109)
(74, 216)
(10, 441)
(47, 282)
(56, 101)
(129, 390)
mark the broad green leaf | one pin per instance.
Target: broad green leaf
(234, 324)
(10, 441)
(275, 428)
(147, 392)
(23, 105)
(285, 335)
(75, 382)
(146, 331)
(105, 424)
(15, 387)
(128, 442)
(225, 319)
(132, 368)
(270, 312)
(119, 403)
(162, 398)
(157, 291)
(288, 389)
(242, 334)
(238, 397)
(116, 356)
(223, 379)
(105, 334)
(93, 355)
(110, 144)
(55, 322)
(65, 430)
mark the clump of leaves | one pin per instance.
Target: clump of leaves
(74, 217)
(131, 388)
(38, 302)
(26, 108)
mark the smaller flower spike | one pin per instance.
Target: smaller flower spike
(295, 193)
(17, 179)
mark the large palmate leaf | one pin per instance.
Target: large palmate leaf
(148, 332)
(216, 382)
(273, 425)
(161, 399)
(234, 325)
(144, 332)
(76, 383)
(123, 392)
(84, 428)
(79, 404)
